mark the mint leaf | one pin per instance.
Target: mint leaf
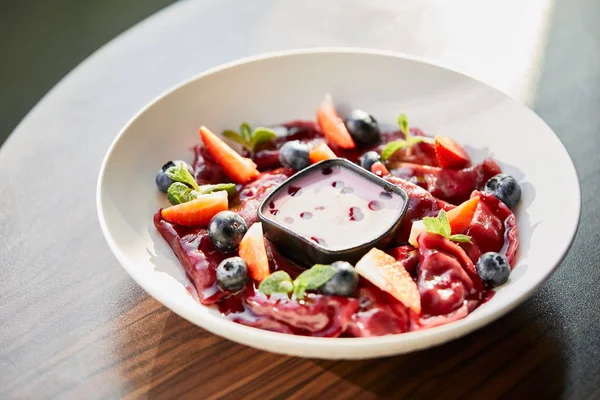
(250, 139)
(246, 131)
(180, 193)
(312, 279)
(299, 290)
(277, 282)
(236, 137)
(399, 144)
(403, 123)
(179, 173)
(441, 226)
(433, 225)
(461, 238)
(228, 187)
(444, 224)
(393, 147)
(261, 135)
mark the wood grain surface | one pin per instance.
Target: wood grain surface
(74, 325)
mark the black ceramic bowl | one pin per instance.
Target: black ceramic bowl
(307, 252)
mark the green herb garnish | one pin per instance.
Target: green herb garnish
(312, 279)
(441, 226)
(179, 173)
(246, 131)
(399, 144)
(236, 137)
(249, 138)
(460, 238)
(180, 193)
(393, 147)
(277, 282)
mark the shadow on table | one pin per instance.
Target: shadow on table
(505, 358)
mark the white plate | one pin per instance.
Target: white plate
(290, 85)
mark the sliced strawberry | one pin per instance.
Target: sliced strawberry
(239, 169)
(332, 126)
(387, 274)
(321, 152)
(252, 250)
(379, 169)
(450, 154)
(460, 217)
(197, 212)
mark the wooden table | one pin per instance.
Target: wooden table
(74, 325)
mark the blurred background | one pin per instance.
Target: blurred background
(553, 44)
(42, 40)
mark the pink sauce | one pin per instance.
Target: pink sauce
(336, 207)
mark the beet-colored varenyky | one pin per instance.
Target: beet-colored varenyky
(451, 185)
(494, 227)
(444, 272)
(192, 246)
(316, 315)
(197, 255)
(378, 314)
(446, 276)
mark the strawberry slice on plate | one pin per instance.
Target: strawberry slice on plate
(253, 251)
(450, 154)
(379, 169)
(197, 212)
(389, 275)
(321, 152)
(332, 126)
(239, 169)
(460, 217)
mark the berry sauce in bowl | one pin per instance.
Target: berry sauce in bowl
(332, 211)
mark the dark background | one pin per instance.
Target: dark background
(42, 40)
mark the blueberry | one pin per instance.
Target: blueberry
(344, 283)
(226, 230)
(163, 182)
(294, 155)
(363, 128)
(232, 274)
(493, 269)
(506, 188)
(168, 165)
(368, 159)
